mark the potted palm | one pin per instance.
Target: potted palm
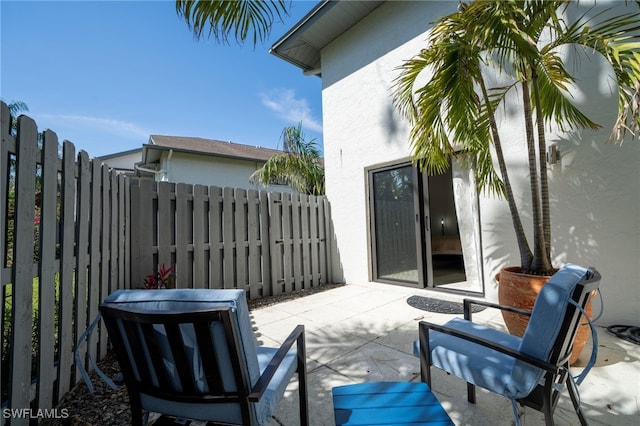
(520, 41)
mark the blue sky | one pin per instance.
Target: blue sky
(107, 74)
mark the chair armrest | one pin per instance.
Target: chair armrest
(468, 302)
(424, 334)
(296, 336)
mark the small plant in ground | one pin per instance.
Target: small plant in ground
(161, 279)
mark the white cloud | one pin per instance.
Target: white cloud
(120, 128)
(286, 106)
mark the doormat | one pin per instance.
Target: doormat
(430, 304)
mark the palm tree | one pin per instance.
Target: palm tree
(223, 18)
(519, 39)
(299, 166)
(15, 108)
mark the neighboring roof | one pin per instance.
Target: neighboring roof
(206, 146)
(328, 20)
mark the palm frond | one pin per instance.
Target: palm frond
(242, 19)
(299, 166)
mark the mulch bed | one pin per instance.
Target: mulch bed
(108, 407)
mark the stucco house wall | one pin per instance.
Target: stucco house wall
(595, 196)
(123, 161)
(193, 160)
(211, 170)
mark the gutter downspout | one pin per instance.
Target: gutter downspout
(154, 172)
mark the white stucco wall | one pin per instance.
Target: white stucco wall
(126, 161)
(212, 170)
(595, 191)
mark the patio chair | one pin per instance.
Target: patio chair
(191, 354)
(531, 370)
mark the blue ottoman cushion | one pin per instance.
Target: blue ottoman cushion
(388, 403)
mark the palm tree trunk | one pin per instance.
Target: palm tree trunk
(544, 180)
(526, 256)
(539, 249)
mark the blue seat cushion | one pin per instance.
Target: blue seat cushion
(475, 363)
(498, 372)
(388, 403)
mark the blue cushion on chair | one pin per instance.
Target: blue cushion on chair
(549, 311)
(493, 370)
(256, 359)
(546, 319)
(476, 364)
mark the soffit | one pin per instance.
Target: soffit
(328, 20)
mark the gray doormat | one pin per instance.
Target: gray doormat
(430, 304)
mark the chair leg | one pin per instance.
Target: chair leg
(302, 381)
(573, 393)
(547, 402)
(471, 393)
(425, 355)
(137, 416)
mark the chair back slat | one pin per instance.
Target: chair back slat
(182, 362)
(208, 351)
(137, 349)
(157, 366)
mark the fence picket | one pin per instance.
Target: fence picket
(297, 241)
(315, 241)
(47, 262)
(287, 244)
(241, 240)
(66, 281)
(265, 246)
(93, 290)
(215, 237)
(104, 234)
(253, 237)
(121, 230)
(322, 240)
(275, 241)
(82, 246)
(164, 224)
(22, 288)
(228, 241)
(199, 271)
(113, 228)
(306, 241)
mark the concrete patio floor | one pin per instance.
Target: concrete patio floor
(357, 333)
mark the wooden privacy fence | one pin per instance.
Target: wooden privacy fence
(264, 243)
(65, 241)
(74, 231)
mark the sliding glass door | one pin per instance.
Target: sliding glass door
(393, 210)
(415, 228)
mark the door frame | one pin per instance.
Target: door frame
(422, 230)
(419, 207)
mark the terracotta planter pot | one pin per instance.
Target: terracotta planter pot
(520, 291)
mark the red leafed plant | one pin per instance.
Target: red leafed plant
(161, 279)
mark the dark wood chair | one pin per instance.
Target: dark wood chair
(531, 370)
(191, 354)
